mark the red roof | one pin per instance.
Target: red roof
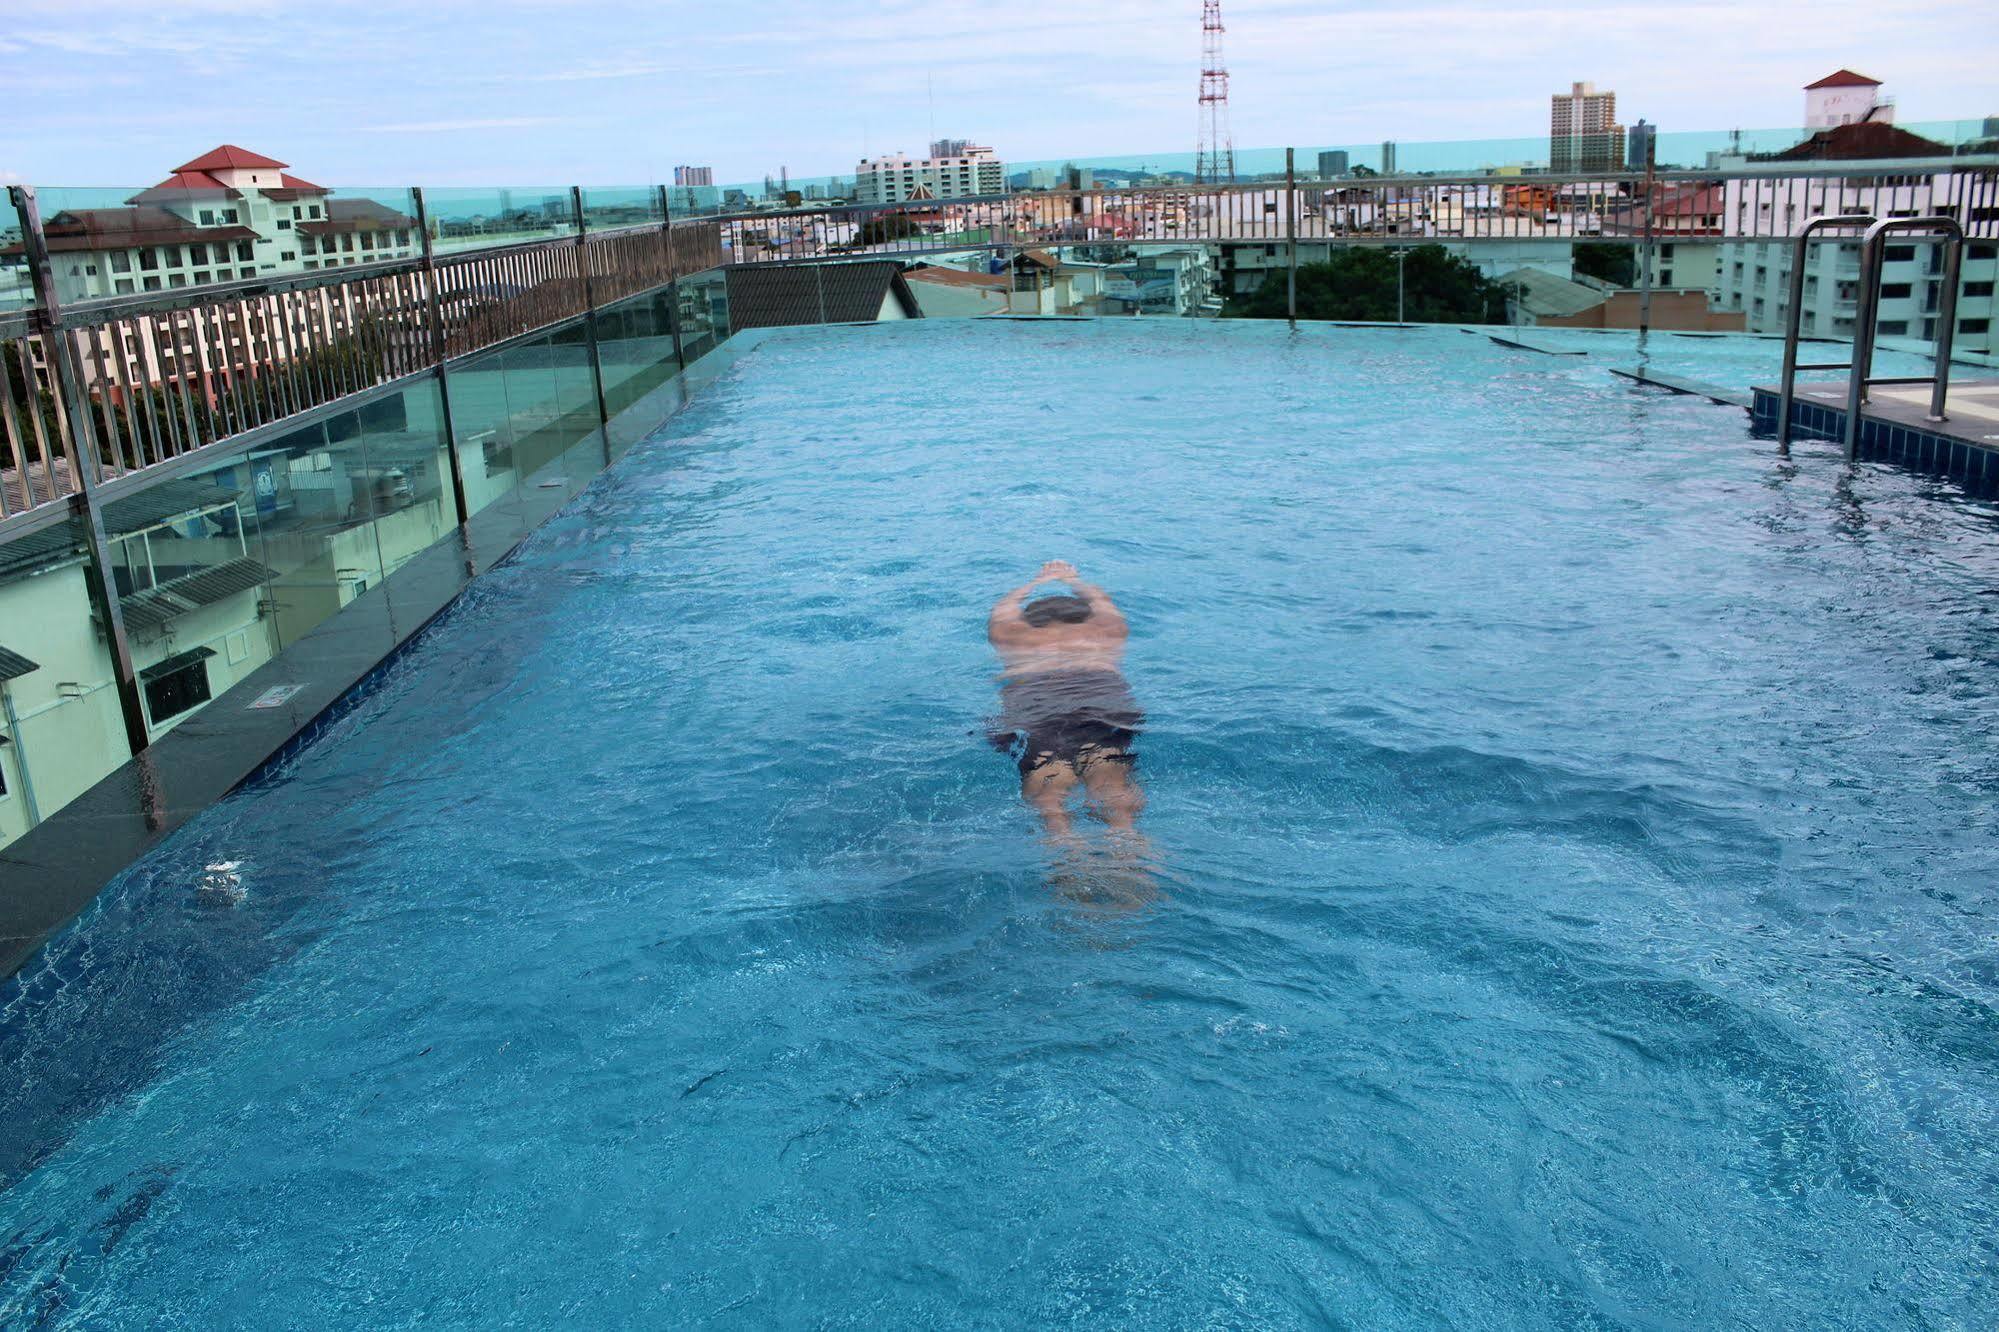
(1844, 78)
(1864, 140)
(228, 158)
(180, 183)
(291, 182)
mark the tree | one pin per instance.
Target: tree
(885, 228)
(1615, 264)
(1359, 282)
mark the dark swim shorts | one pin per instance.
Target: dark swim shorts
(1066, 716)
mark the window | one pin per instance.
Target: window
(228, 215)
(200, 276)
(1981, 251)
(1978, 289)
(1974, 325)
(3, 770)
(347, 242)
(367, 240)
(1665, 277)
(312, 210)
(244, 254)
(1897, 253)
(152, 284)
(286, 256)
(124, 286)
(403, 236)
(297, 211)
(177, 684)
(121, 262)
(284, 224)
(1894, 328)
(149, 259)
(197, 253)
(1892, 290)
(208, 217)
(176, 280)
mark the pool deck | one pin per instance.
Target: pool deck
(1894, 426)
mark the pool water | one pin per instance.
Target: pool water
(1567, 896)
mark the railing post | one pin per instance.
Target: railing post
(71, 394)
(1645, 278)
(590, 316)
(437, 355)
(1291, 235)
(672, 276)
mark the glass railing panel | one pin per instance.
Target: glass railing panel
(17, 289)
(616, 207)
(60, 726)
(472, 217)
(635, 347)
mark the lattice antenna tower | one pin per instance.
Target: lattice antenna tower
(1214, 160)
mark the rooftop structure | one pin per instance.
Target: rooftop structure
(1845, 98)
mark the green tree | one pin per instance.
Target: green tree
(1359, 282)
(1615, 264)
(885, 228)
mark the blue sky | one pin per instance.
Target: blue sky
(116, 92)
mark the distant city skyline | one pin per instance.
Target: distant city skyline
(523, 92)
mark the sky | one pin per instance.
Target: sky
(484, 92)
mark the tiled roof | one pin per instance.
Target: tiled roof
(356, 215)
(1844, 78)
(182, 184)
(228, 158)
(291, 187)
(1864, 140)
(13, 665)
(157, 605)
(123, 228)
(957, 277)
(816, 293)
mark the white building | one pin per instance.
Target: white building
(1753, 276)
(1845, 98)
(226, 216)
(892, 179)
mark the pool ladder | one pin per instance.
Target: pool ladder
(1874, 242)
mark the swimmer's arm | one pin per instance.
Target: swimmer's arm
(1102, 608)
(1005, 618)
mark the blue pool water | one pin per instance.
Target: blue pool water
(1570, 898)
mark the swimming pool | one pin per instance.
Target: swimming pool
(1569, 894)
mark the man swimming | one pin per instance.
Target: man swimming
(1065, 707)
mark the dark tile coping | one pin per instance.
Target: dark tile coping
(53, 871)
(1695, 388)
(1961, 449)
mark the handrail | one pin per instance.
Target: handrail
(1867, 308)
(1794, 316)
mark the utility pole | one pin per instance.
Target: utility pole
(1401, 266)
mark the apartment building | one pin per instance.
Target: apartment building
(1583, 133)
(226, 216)
(1754, 276)
(897, 177)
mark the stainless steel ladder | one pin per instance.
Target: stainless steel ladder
(1872, 249)
(1794, 312)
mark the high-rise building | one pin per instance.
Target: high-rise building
(1583, 133)
(1332, 165)
(1639, 145)
(693, 175)
(949, 148)
(897, 177)
(1388, 158)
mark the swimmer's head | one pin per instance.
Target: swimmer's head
(1055, 610)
